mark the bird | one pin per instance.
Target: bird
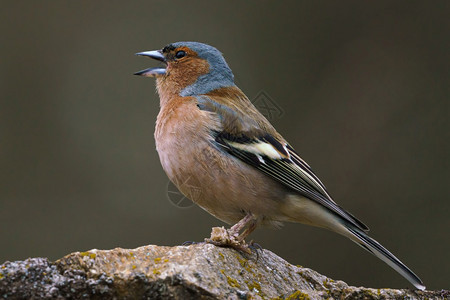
(224, 155)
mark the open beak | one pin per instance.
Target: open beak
(152, 72)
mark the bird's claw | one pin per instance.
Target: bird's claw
(225, 238)
(189, 243)
(254, 246)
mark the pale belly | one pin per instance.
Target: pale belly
(221, 184)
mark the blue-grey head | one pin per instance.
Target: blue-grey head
(189, 68)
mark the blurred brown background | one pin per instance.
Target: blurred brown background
(364, 88)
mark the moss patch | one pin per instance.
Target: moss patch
(298, 295)
(87, 253)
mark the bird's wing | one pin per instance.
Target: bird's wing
(243, 138)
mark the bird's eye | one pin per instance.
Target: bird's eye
(180, 54)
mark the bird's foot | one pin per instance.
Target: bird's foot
(254, 246)
(228, 238)
(188, 243)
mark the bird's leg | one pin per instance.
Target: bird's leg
(232, 237)
(251, 226)
(236, 228)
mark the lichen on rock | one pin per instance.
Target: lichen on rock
(181, 272)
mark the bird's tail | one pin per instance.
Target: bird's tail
(368, 243)
(303, 210)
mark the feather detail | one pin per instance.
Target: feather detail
(287, 170)
(258, 148)
(249, 141)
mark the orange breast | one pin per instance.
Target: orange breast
(216, 181)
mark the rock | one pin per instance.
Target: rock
(184, 272)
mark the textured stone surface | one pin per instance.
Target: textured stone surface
(183, 272)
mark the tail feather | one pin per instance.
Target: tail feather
(366, 242)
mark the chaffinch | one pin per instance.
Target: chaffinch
(224, 155)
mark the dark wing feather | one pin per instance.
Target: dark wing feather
(274, 158)
(292, 173)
